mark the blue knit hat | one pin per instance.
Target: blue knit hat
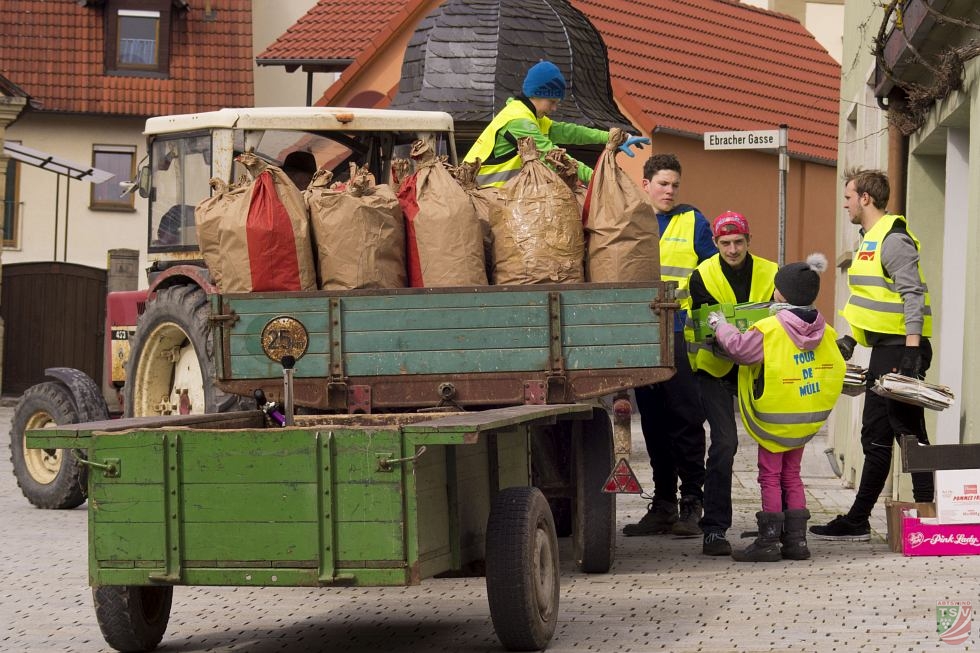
(544, 80)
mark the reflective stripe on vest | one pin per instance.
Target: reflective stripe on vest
(763, 278)
(496, 171)
(801, 388)
(677, 256)
(874, 304)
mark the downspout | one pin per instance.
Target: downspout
(898, 156)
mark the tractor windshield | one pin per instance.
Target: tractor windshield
(181, 169)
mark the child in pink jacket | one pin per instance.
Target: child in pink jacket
(791, 374)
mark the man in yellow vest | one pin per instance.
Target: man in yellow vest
(527, 115)
(888, 310)
(733, 276)
(670, 412)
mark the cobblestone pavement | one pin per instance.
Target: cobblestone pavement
(662, 594)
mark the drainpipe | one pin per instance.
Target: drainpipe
(898, 157)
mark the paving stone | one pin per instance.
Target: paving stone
(662, 594)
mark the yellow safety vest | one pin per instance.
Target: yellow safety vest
(801, 387)
(763, 277)
(496, 171)
(677, 256)
(874, 304)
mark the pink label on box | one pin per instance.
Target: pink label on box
(920, 539)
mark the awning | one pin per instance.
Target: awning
(56, 164)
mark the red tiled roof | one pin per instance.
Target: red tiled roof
(54, 51)
(688, 66)
(716, 65)
(334, 29)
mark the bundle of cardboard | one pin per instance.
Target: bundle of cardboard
(913, 391)
(855, 380)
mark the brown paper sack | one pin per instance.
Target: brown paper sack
(623, 236)
(268, 245)
(446, 231)
(225, 200)
(482, 199)
(359, 232)
(537, 231)
(567, 168)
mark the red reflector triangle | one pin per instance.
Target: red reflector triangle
(622, 480)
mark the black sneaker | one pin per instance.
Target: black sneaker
(843, 529)
(715, 544)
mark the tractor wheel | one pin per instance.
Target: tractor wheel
(133, 617)
(522, 569)
(594, 522)
(49, 478)
(171, 361)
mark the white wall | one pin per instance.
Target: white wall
(91, 234)
(823, 19)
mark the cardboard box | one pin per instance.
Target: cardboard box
(741, 315)
(893, 515)
(921, 538)
(958, 496)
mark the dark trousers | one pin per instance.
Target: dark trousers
(673, 428)
(883, 422)
(718, 399)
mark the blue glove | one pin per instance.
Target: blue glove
(638, 141)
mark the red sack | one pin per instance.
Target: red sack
(272, 257)
(410, 209)
(264, 240)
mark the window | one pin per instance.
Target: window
(11, 206)
(137, 37)
(121, 161)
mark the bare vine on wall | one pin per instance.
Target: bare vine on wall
(947, 67)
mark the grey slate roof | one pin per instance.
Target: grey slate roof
(468, 56)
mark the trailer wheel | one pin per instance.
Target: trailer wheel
(594, 535)
(49, 478)
(171, 362)
(133, 617)
(522, 569)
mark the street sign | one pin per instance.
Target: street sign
(761, 139)
(746, 140)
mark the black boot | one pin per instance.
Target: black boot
(794, 535)
(766, 546)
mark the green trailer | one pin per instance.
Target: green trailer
(429, 432)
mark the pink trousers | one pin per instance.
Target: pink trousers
(779, 479)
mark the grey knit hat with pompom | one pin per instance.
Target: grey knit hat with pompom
(799, 283)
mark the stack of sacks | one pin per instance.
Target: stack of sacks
(444, 237)
(621, 223)
(359, 232)
(537, 228)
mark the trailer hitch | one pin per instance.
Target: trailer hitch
(385, 463)
(110, 468)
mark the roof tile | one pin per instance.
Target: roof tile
(685, 65)
(210, 62)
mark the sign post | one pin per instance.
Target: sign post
(763, 139)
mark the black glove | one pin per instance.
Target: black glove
(846, 346)
(911, 364)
